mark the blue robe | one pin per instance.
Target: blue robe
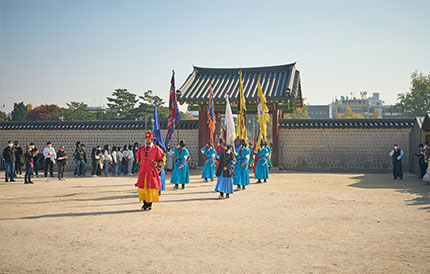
(163, 180)
(180, 175)
(262, 168)
(209, 167)
(225, 184)
(241, 174)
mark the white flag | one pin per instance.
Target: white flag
(229, 122)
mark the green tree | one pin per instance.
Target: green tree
(122, 103)
(19, 112)
(145, 110)
(417, 101)
(75, 111)
(42, 112)
(349, 114)
(3, 116)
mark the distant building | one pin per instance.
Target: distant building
(97, 108)
(319, 111)
(368, 107)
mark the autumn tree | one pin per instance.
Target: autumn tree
(349, 114)
(375, 113)
(42, 112)
(417, 101)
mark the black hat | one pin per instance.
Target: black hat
(181, 143)
(210, 143)
(221, 141)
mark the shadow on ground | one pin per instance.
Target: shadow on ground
(407, 185)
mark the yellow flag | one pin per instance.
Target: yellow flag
(241, 121)
(263, 114)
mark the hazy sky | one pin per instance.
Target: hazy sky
(62, 51)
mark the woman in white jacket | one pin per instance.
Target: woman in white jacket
(107, 159)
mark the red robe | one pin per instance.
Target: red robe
(145, 155)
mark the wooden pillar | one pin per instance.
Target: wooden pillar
(203, 132)
(275, 132)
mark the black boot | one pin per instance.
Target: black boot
(145, 205)
(176, 187)
(243, 187)
(183, 186)
(265, 180)
(149, 206)
(221, 195)
(227, 196)
(259, 181)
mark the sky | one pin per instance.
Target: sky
(55, 52)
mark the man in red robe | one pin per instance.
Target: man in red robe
(149, 157)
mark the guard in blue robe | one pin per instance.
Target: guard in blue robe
(262, 168)
(225, 172)
(181, 173)
(397, 155)
(209, 167)
(241, 171)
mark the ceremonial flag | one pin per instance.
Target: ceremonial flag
(263, 114)
(156, 125)
(229, 122)
(175, 115)
(211, 115)
(241, 109)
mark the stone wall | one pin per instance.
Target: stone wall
(344, 149)
(92, 138)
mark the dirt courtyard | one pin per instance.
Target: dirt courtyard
(296, 223)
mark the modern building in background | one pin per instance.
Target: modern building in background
(319, 111)
(368, 107)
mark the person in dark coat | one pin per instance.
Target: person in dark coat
(61, 163)
(421, 161)
(225, 173)
(397, 155)
(18, 162)
(9, 159)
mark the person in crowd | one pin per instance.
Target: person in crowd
(397, 155)
(262, 168)
(29, 155)
(130, 157)
(9, 156)
(421, 160)
(120, 157)
(255, 156)
(37, 160)
(81, 158)
(61, 163)
(107, 159)
(225, 172)
(125, 160)
(75, 159)
(180, 174)
(18, 163)
(97, 161)
(169, 159)
(209, 167)
(236, 144)
(149, 157)
(49, 155)
(135, 166)
(241, 170)
(219, 147)
(114, 155)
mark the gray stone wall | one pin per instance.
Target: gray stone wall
(341, 149)
(92, 138)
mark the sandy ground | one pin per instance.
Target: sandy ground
(296, 223)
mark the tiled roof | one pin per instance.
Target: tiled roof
(277, 82)
(346, 123)
(91, 125)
